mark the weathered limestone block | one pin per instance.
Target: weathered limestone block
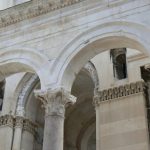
(11, 136)
(28, 135)
(122, 122)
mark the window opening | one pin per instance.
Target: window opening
(118, 57)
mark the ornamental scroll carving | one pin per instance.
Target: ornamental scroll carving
(18, 121)
(120, 91)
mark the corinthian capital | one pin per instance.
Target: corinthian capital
(55, 100)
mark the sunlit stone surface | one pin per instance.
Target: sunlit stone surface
(74, 74)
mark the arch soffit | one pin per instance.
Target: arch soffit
(25, 60)
(93, 41)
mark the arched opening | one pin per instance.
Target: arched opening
(80, 123)
(25, 60)
(35, 113)
(80, 130)
(16, 63)
(118, 57)
(98, 51)
(30, 109)
(81, 56)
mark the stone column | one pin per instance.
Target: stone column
(6, 132)
(28, 135)
(17, 133)
(54, 102)
(121, 118)
(18, 126)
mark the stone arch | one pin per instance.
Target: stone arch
(85, 132)
(90, 68)
(96, 40)
(25, 60)
(31, 80)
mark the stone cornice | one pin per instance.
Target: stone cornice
(33, 11)
(118, 92)
(18, 122)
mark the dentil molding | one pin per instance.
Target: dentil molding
(18, 122)
(118, 92)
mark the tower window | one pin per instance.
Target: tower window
(118, 57)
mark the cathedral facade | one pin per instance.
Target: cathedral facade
(74, 75)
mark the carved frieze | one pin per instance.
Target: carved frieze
(18, 121)
(33, 11)
(120, 91)
(6, 120)
(29, 126)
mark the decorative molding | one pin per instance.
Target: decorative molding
(29, 126)
(118, 92)
(93, 73)
(22, 95)
(18, 122)
(55, 100)
(7, 120)
(33, 11)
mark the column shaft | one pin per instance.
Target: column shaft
(17, 139)
(54, 102)
(6, 132)
(53, 133)
(17, 133)
(27, 141)
(28, 135)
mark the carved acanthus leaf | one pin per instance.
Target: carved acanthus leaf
(55, 100)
